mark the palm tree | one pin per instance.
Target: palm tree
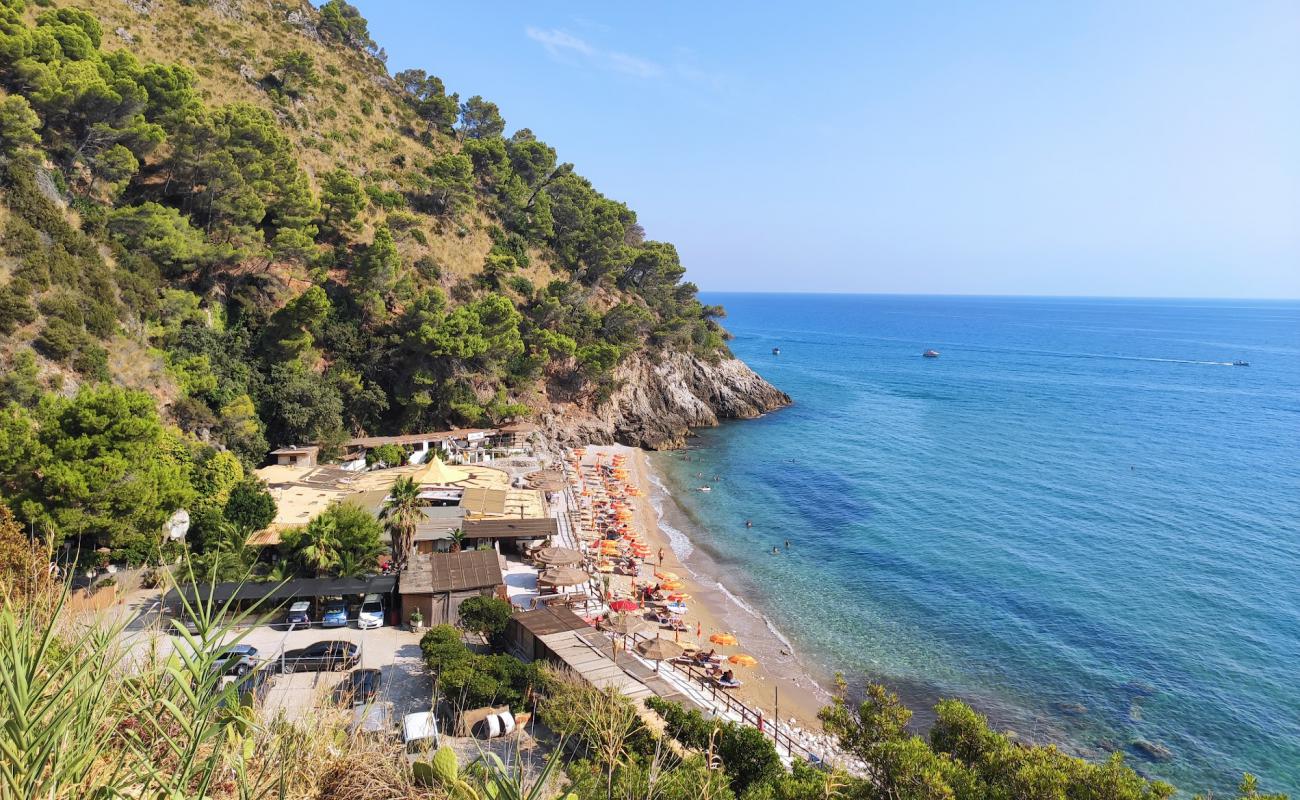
(318, 547)
(353, 565)
(457, 540)
(401, 513)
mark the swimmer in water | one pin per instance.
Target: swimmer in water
(748, 524)
(787, 544)
(775, 550)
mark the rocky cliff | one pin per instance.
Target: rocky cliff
(659, 400)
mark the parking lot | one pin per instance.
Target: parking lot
(393, 651)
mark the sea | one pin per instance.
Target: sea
(1081, 517)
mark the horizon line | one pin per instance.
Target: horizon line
(975, 295)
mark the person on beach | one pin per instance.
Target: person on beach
(661, 556)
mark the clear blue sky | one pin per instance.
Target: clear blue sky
(1100, 148)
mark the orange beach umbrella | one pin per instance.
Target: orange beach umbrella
(724, 639)
(742, 660)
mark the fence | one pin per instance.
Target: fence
(770, 728)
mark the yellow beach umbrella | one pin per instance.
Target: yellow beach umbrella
(664, 575)
(724, 639)
(742, 660)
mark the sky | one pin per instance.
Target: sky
(1145, 149)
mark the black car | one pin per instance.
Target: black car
(322, 657)
(360, 686)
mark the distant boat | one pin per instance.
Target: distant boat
(776, 351)
(931, 354)
(1241, 363)
(705, 489)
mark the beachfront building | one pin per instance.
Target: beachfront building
(437, 583)
(470, 445)
(522, 534)
(433, 534)
(304, 456)
(515, 437)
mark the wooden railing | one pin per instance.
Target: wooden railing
(724, 698)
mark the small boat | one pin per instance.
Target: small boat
(704, 489)
(931, 354)
(1241, 363)
(776, 351)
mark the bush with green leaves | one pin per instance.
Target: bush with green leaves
(485, 615)
(747, 755)
(469, 680)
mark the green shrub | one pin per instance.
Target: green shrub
(469, 680)
(486, 615)
(748, 756)
(389, 455)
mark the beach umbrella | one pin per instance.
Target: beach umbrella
(659, 650)
(558, 557)
(665, 575)
(670, 585)
(742, 660)
(679, 597)
(724, 639)
(623, 605)
(563, 576)
(627, 625)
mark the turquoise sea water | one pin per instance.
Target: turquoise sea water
(1079, 517)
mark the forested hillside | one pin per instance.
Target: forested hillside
(231, 207)
(237, 208)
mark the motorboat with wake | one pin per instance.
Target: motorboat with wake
(930, 354)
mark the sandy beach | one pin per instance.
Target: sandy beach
(778, 677)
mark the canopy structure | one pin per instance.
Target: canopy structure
(484, 501)
(540, 528)
(563, 576)
(558, 557)
(436, 473)
(273, 592)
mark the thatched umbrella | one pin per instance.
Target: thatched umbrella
(627, 625)
(548, 480)
(558, 556)
(660, 650)
(563, 576)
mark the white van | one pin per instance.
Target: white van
(372, 612)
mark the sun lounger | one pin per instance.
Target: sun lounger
(729, 684)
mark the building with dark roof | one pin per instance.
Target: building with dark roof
(437, 583)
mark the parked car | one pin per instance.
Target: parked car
(373, 720)
(298, 616)
(236, 659)
(372, 612)
(336, 615)
(360, 686)
(420, 733)
(322, 657)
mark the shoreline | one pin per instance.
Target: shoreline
(716, 608)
